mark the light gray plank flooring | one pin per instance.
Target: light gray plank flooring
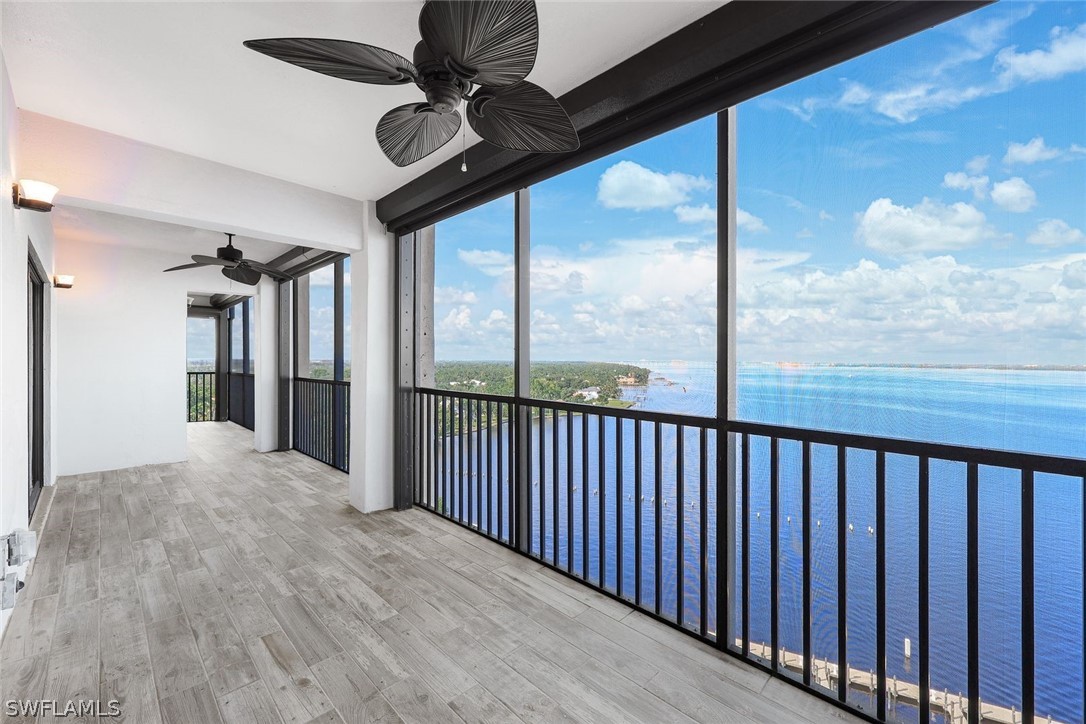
(243, 587)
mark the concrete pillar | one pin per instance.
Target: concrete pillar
(266, 356)
(373, 380)
(424, 304)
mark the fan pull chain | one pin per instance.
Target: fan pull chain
(464, 137)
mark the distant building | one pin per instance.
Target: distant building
(626, 380)
(588, 393)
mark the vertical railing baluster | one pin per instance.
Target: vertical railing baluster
(555, 482)
(880, 583)
(584, 496)
(542, 485)
(638, 497)
(569, 491)
(479, 464)
(471, 473)
(619, 505)
(500, 482)
(601, 504)
(703, 530)
(680, 520)
(922, 589)
(460, 463)
(658, 518)
(973, 586)
(842, 573)
(774, 552)
(745, 516)
(805, 473)
(1028, 687)
(490, 467)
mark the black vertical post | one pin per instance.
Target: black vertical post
(555, 482)
(703, 528)
(619, 505)
(973, 588)
(808, 655)
(680, 518)
(657, 512)
(222, 366)
(842, 573)
(1028, 688)
(405, 441)
(745, 526)
(601, 504)
(726, 153)
(521, 490)
(774, 551)
(637, 512)
(922, 591)
(880, 583)
(569, 491)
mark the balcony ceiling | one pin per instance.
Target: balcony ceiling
(81, 225)
(175, 75)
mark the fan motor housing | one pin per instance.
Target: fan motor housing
(229, 253)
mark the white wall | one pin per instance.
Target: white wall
(16, 227)
(373, 382)
(120, 351)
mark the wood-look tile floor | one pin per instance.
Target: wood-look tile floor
(241, 587)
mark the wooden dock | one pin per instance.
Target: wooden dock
(953, 706)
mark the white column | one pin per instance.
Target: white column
(266, 356)
(373, 379)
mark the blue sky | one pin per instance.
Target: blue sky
(923, 203)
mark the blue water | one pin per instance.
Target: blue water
(1034, 411)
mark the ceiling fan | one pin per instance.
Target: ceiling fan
(235, 266)
(476, 51)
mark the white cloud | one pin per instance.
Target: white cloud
(488, 261)
(824, 215)
(1035, 150)
(497, 321)
(1074, 275)
(1055, 233)
(458, 320)
(1030, 152)
(925, 309)
(703, 214)
(454, 295)
(964, 182)
(927, 227)
(628, 185)
(935, 89)
(1014, 194)
(749, 222)
(1066, 53)
(977, 165)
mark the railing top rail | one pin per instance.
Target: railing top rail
(340, 383)
(941, 451)
(585, 409)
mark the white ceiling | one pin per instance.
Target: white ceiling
(176, 75)
(80, 225)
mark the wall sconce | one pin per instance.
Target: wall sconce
(63, 281)
(36, 195)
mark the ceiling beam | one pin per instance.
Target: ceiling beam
(734, 53)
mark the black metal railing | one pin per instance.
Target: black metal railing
(830, 546)
(201, 396)
(242, 387)
(322, 420)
